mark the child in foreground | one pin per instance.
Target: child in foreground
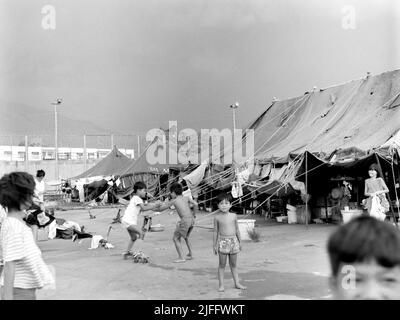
(226, 240)
(24, 269)
(365, 260)
(130, 218)
(184, 227)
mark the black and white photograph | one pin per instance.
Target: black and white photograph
(207, 152)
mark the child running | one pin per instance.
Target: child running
(24, 269)
(184, 227)
(226, 240)
(130, 218)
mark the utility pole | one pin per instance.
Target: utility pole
(234, 107)
(84, 153)
(55, 104)
(26, 154)
(138, 145)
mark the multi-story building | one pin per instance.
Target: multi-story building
(17, 153)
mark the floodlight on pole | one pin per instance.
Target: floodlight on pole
(55, 104)
(234, 107)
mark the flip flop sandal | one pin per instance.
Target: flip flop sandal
(180, 261)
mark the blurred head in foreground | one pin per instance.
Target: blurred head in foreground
(365, 260)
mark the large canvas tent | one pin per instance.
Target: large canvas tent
(156, 176)
(108, 166)
(333, 134)
(363, 114)
(307, 140)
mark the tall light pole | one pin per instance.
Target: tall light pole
(234, 107)
(55, 104)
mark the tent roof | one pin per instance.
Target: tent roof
(143, 165)
(363, 114)
(109, 165)
(317, 167)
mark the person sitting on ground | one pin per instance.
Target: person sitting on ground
(24, 269)
(365, 260)
(130, 217)
(70, 230)
(184, 227)
(226, 239)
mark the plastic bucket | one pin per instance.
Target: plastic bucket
(245, 226)
(292, 217)
(347, 215)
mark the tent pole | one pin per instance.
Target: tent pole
(394, 181)
(306, 158)
(383, 177)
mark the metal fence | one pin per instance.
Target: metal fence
(100, 141)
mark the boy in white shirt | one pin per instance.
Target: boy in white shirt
(130, 218)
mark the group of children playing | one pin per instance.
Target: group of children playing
(226, 239)
(364, 253)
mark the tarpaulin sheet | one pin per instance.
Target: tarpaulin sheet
(363, 113)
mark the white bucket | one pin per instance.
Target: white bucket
(245, 226)
(292, 216)
(350, 214)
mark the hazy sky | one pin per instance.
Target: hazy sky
(133, 65)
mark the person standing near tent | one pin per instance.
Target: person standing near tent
(226, 240)
(375, 189)
(40, 188)
(130, 218)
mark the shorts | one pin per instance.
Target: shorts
(133, 234)
(228, 245)
(184, 227)
(126, 225)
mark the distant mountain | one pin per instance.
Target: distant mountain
(18, 120)
(22, 119)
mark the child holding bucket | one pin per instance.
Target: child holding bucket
(226, 240)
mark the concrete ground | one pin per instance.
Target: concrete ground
(289, 262)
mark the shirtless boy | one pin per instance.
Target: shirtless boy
(226, 240)
(183, 206)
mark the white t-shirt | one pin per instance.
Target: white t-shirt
(19, 246)
(39, 189)
(132, 211)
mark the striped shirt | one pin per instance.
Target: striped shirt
(19, 246)
(3, 214)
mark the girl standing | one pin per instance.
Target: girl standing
(24, 269)
(375, 189)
